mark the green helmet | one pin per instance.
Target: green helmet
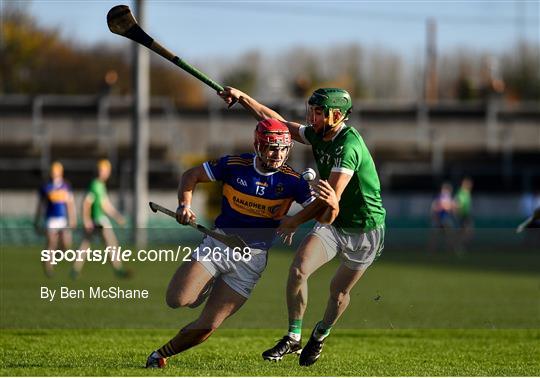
(331, 98)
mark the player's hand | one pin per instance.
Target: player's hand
(88, 227)
(326, 193)
(184, 215)
(121, 220)
(73, 224)
(286, 230)
(230, 95)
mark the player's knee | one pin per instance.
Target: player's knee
(298, 274)
(172, 301)
(175, 300)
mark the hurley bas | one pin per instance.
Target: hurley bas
(93, 292)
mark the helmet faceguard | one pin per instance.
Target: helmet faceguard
(331, 99)
(271, 136)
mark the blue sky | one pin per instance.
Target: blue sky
(201, 29)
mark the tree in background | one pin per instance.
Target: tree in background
(384, 75)
(303, 71)
(521, 72)
(37, 60)
(244, 73)
(464, 87)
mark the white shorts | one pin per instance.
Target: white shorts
(219, 260)
(56, 223)
(102, 222)
(357, 251)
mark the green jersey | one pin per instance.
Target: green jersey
(463, 201)
(98, 191)
(360, 206)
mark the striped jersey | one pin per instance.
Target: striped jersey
(56, 196)
(254, 201)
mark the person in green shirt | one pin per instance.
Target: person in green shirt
(351, 215)
(463, 206)
(463, 202)
(97, 208)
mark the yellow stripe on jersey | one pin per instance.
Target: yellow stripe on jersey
(58, 195)
(289, 171)
(239, 162)
(255, 206)
(239, 159)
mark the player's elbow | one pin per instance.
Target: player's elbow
(190, 177)
(188, 174)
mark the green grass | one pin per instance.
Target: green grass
(410, 315)
(237, 353)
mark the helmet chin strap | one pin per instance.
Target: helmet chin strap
(331, 123)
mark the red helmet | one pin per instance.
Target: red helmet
(271, 133)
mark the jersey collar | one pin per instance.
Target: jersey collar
(341, 128)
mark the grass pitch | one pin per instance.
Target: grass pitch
(410, 315)
(237, 353)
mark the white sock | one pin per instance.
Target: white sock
(318, 335)
(294, 336)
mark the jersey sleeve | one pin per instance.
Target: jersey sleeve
(68, 187)
(348, 161)
(307, 134)
(92, 192)
(304, 195)
(216, 170)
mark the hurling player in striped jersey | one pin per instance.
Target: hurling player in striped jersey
(56, 201)
(258, 190)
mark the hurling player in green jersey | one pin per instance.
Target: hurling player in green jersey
(355, 229)
(463, 212)
(95, 212)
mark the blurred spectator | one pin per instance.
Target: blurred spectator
(109, 80)
(463, 207)
(56, 201)
(442, 209)
(531, 225)
(529, 202)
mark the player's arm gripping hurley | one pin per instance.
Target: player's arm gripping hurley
(190, 179)
(258, 110)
